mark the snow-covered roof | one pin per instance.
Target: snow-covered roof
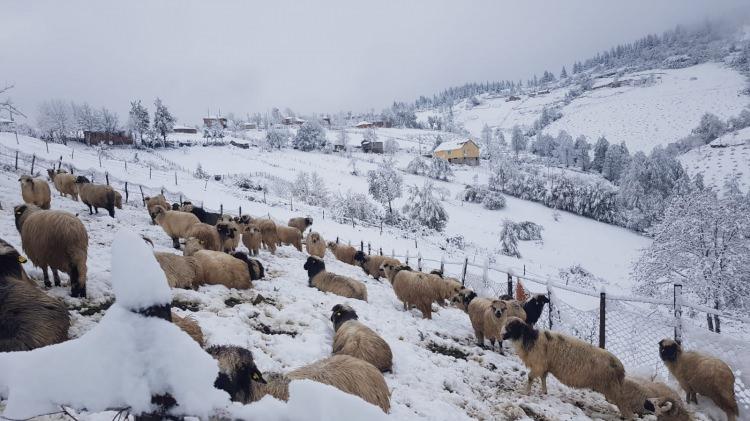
(452, 145)
(5, 121)
(182, 127)
(363, 123)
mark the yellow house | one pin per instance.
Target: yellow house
(458, 152)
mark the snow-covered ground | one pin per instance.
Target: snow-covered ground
(724, 158)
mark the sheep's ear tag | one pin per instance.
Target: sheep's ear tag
(22, 259)
(338, 313)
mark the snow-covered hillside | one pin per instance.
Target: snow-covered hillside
(656, 113)
(721, 160)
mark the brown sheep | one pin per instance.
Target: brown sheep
(355, 339)
(315, 245)
(701, 374)
(476, 308)
(634, 393)
(118, 200)
(153, 202)
(208, 234)
(257, 271)
(55, 239)
(269, 236)
(181, 271)
(330, 282)
(35, 191)
(289, 236)
(189, 326)
(223, 269)
(229, 234)
(29, 318)
(96, 195)
(252, 238)
(300, 223)
(667, 409)
(572, 361)
(64, 183)
(411, 288)
(497, 315)
(443, 288)
(343, 253)
(371, 264)
(175, 223)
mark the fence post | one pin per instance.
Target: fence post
(510, 285)
(393, 253)
(46, 144)
(602, 318)
(337, 240)
(221, 209)
(175, 178)
(678, 312)
(180, 198)
(149, 172)
(33, 161)
(549, 305)
(126, 165)
(100, 159)
(240, 215)
(162, 191)
(126, 192)
(59, 163)
(442, 264)
(419, 261)
(407, 256)
(143, 198)
(324, 214)
(381, 251)
(16, 160)
(463, 273)
(106, 176)
(369, 249)
(291, 207)
(362, 246)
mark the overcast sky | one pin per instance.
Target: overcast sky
(244, 56)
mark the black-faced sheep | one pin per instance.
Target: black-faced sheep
(236, 370)
(330, 282)
(667, 409)
(497, 315)
(342, 252)
(181, 271)
(573, 362)
(29, 318)
(252, 238)
(372, 264)
(35, 191)
(96, 195)
(175, 223)
(300, 223)
(229, 234)
(635, 391)
(533, 308)
(64, 183)
(355, 339)
(153, 202)
(210, 218)
(701, 374)
(315, 245)
(476, 308)
(207, 234)
(257, 271)
(189, 326)
(57, 240)
(289, 236)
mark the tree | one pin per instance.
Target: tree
(517, 140)
(318, 192)
(503, 170)
(163, 120)
(342, 138)
(390, 146)
(564, 148)
(55, 120)
(485, 140)
(493, 200)
(424, 208)
(710, 128)
(600, 152)
(311, 136)
(108, 120)
(500, 138)
(438, 142)
(439, 169)
(277, 138)
(616, 162)
(370, 136)
(509, 240)
(384, 183)
(581, 156)
(417, 166)
(563, 73)
(138, 121)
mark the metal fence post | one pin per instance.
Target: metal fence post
(678, 312)
(407, 256)
(510, 285)
(549, 305)
(106, 177)
(419, 261)
(463, 273)
(442, 264)
(362, 246)
(602, 319)
(126, 192)
(33, 161)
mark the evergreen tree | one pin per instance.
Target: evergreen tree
(563, 73)
(600, 152)
(517, 140)
(581, 153)
(163, 120)
(485, 140)
(424, 208)
(509, 240)
(311, 136)
(138, 121)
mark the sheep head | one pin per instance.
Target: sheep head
(341, 313)
(314, 265)
(81, 180)
(669, 350)
(661, 407)
(516, 329)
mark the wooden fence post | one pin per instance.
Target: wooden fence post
(369, 249)
(407, 256)
(337, 240)
(46, 144)
(149, 172)
(549, 305)
(221, 209)
(16, 160)
(126, 165)
(175, 178)
(510, 284)
(463, 273)
(602, 318)
(442, 264)
(33, 161)
(419, 261)
(162, 191)
(486, 272)
(240, 215)
(100, 159)
(59, 163)
(106, 176)
(126, 192)
(143, 198)
(678, 312)
(361, 246)
(381, 251)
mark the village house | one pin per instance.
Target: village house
(215, 121)
(117, 138)
(458, 152)
(184, 129)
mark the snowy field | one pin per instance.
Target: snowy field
(724, 158)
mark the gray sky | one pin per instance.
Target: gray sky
(244, 56)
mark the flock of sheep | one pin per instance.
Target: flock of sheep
(55, 239)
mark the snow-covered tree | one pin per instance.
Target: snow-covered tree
(438, 141)
(500, 138)
(354, 206)
(342, 137)
(85, 118)
(509, 240)
(439, 169)
(390, 146)
(384, 183)
(493, 200)
(710, 128)
(564, 149)
(55, 120)
(563, 73)
(370, 135)
(277, 138)
(417, 166)
(485, 141)
(311, 136)
(424, 208)
(317, 192)
(108, 120)
(581, 157)
(616, 162)
(517, 140)
(301, 185)
(600, 152)
(163, 120)
(544, 145)
(138, 120)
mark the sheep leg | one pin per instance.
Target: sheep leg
(176, 243)
(96, 209)
(544, 383)
(56, 277)
(492, 343)
(480, 338)
(529, 383)
(90, 211)
(427, 311)
(47, 283)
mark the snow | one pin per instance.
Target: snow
(451, 145)
(149, 285)
(724, 158)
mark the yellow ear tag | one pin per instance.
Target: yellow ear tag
(22, 259)
(338, 313)
(255, 376)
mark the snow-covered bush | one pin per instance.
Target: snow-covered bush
(493, 201)
(311, 136)
(578, 276)
(357, 206)
(200, 172)
(424, 208)
(439, 169)
(384, 183)
(310, 189)
(417, 166)
(528, 231)
(473, 194)
(277, 138)
(710, 127)
(509, 240)
(390, 146)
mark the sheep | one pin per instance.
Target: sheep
(290, 236)
(181, 271)
(443, 288)
(252, 238)
(635, 391)
(189, 326)
(64, 183)
(96, 195)
(497, 315)
(269, 236)
(219, 268)
(573, 362)
(701, 374)
(254, 265)
(533, 308)
(315, 245)
(118, 200)
(371, 264)
(411, 288)
(330, 282)
(229, 234)
(54, 239)
(667, 409)
(153, 202)
(342, 253)
(11, 262)
(475, 307)
(35, 191)
(208, 234)
(210, 218)
(300, 223)
(355, 339)
(240, 377)
(175, 223)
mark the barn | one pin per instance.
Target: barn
(458, 152)
(106, 138)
